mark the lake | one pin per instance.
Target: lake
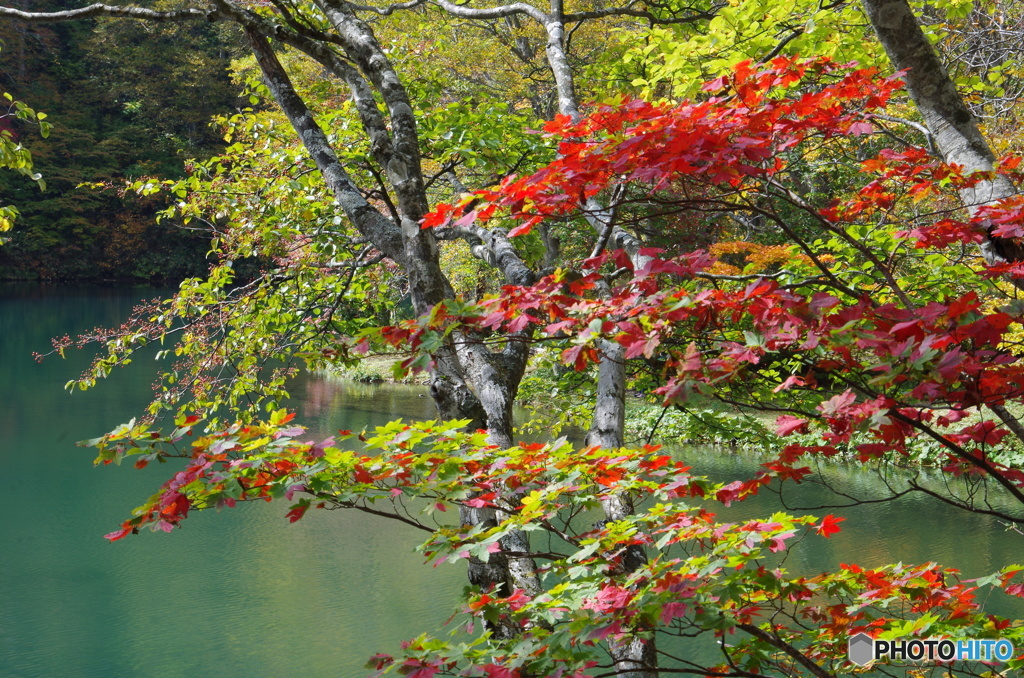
(243, 592)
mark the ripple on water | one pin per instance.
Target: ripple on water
(242, 592)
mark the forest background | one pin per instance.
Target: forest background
(122, 107)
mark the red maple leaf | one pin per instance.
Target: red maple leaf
(829, 525)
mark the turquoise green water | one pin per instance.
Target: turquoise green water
(242, 592)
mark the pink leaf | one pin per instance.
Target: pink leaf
(860, 128)
(787, 424)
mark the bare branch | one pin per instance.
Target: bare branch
(390, 9)
(605, 232)
(492, 12)
(98, 9)
(969, 507)
(794, 33)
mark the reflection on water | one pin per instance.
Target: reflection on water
(242, 592)
(325, 404)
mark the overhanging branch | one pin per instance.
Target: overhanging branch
(98, 9)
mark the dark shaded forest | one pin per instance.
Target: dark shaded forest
(122, 108)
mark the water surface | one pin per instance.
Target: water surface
(239, 593)
(243, 592)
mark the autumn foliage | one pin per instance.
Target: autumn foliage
(877, 335)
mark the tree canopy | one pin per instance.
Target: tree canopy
(484, 190)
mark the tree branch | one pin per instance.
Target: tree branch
(643, 14)
(788, 649)
(390, 9)
(367, 220)
(492, 12)
(98, 9)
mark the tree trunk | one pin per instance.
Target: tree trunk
(954, 129)
(634, 656)
(469, 380)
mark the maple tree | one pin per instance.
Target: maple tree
(863, 321)
(865, 351)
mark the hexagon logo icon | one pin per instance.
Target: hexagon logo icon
(860, 649)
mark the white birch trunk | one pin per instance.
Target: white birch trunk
(954, 129)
